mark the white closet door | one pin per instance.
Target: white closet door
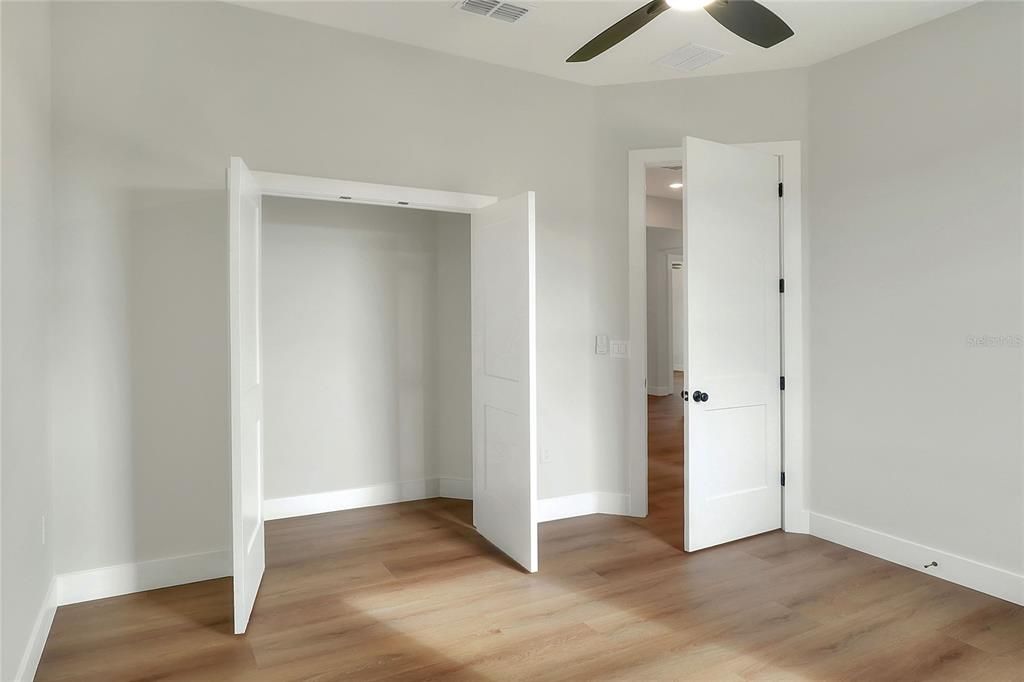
(732, 449)
(505, 377)
(246, 390)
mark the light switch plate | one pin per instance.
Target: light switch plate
(601, 345)
(619, 348)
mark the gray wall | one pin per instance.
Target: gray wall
(916, 189)
(454, 348)
(150, 101)
(365, 338)
(27, 275)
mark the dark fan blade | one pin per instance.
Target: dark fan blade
(619, 31)
(751, 21)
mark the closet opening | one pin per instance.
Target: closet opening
(383, 349)
(366, 347)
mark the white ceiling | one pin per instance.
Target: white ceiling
(542, 40)
(658, 181)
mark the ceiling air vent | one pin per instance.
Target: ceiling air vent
(495, 9)
(690, 57)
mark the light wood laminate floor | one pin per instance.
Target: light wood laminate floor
(410, 591)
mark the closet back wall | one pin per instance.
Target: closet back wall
(366, 349)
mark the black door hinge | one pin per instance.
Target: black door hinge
(782, 383)
(782, 479)
(782, 286)
(780, 189)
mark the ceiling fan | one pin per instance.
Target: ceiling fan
(748, 19)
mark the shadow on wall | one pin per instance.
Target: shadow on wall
(177, 299)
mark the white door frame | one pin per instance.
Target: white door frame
(664, 385)
(795, 515)
(672, 256)
(352, 192)
(346, 191)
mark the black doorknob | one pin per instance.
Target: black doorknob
(700, 397)
(685, 395)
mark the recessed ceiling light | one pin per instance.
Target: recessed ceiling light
(676, 185)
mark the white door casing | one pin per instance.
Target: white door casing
(505, 376)
(244, 254)
(732, 441)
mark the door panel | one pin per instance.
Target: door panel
(732, 448)
(244, 252)
(505, 377)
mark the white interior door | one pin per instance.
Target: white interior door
(732, 448)
(505, 377)
(246, 389)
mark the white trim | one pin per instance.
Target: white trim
(455, 488)
(581, 504)
(795, 334)
(367, 496)
(795, 403)
(659, 390)
(636, 372)
(113, 581)
(37, 640)
(326, 189)
(350, 498)
(3, 653)
(978, 576)
(671, 256)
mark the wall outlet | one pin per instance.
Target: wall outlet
(619, 348)
(601, 345)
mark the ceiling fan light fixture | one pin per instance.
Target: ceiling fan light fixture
(748, 19)
(689, 5)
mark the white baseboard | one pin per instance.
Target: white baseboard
(997, 582)
(581, 504)
(112, 581)
(456, 488)
(368, 496)
(659, 391)
(351, 498)
(37, 640)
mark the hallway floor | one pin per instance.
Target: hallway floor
(665, 464)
